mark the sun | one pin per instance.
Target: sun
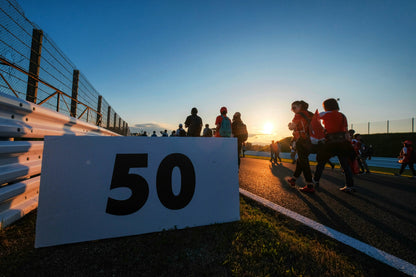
(268, 128)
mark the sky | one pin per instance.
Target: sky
(153, 61)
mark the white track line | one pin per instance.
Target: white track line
(367, 249)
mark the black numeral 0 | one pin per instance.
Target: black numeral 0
(136, 183)
(164, 181)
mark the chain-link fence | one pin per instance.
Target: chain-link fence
(385, 127)
(32, 67)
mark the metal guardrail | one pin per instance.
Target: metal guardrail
(21, 156)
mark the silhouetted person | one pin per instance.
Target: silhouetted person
(194, 124)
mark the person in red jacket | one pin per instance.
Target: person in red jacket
(337, 143)
(407, 158)
(300, 128)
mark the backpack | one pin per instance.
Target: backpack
(225, 128)
(316, 131)
(243, 133)
(240, 131)
(181, 133)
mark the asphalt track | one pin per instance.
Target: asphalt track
(381, 213)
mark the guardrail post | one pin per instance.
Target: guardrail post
(75, 80)
(34, 65)
(100, 100)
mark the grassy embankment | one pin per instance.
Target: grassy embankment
(262, 243)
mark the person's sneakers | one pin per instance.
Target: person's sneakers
(347, 189)
(291, 181)
(308, 188)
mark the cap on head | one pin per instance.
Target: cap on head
(223, 110)
(180, 125)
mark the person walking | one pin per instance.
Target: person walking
(272, 152)
(300, 128)
(223, 124)
(407, 157)
(207, 131)
(337, 143)
(239, 131)
(194, 124)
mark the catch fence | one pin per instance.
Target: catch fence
(33, 68)
(385, 127)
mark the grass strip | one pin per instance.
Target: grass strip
(262, 243)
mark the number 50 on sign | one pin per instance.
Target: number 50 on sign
(102, 187)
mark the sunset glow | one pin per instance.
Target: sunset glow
(268, 128)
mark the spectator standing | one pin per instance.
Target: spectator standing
(337, 143)
(173, 134)
(300, 128)
(272, 147)
(276, 149)
(154, 134)
(180, 132)
(144, 134)
(223, 124)
(239, 131)
(207, 131)
(164, 133)
(407, 158)
(194, 124)
(360, 150)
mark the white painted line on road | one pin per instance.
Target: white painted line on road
(365, 248)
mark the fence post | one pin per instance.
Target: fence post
(115, 122)
(58, 99)
(388, 126)
(368, 128)
(100, 100)
(119, 125)
(75, 80)
(108, 117)
(34, 65)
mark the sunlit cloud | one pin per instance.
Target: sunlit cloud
(150, 127)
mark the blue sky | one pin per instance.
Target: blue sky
(155, 60)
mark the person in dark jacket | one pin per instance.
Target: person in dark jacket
(239, 131)
(194, 124)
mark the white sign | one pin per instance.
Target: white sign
(103, 187)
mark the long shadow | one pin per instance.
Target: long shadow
(381, 181)
(381, 226)
(372, 194)
(281, 172)
(331, 218)
(396, 214)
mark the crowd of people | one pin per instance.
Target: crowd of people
(326, 134)
(224, 127)
(331, 139)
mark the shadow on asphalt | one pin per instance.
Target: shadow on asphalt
(379, 225)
